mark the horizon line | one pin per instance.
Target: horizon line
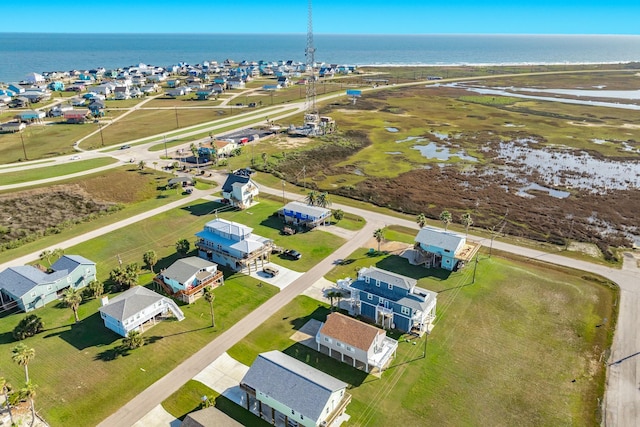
(322, 34)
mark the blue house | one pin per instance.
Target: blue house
(442, 249)
(57, 86)
(233, 245)
(33, 288)
(187, 278)
(298, 213)
(391, 300)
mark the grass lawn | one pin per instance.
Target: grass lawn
(520, 346)
(54, 171)
(82, 376)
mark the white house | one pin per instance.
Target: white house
(240, 191)
(303, 214)
(356, 342)
(130, 310)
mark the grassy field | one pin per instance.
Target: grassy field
(75, 166)
(521, 346)
(83, 377)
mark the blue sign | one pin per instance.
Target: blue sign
(353, 92)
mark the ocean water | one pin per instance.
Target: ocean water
(22, 53)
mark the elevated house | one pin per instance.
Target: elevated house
(11, 127)
(442, 249)
(363, 345)
(391, 300)
(31, 287)
(302, 214)
(130, 310)
(76, 116)
(240, 191)
(281, 389)
(233, 245)
(31, 116)
(122, 92)
(187, 278)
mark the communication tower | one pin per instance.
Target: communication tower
(311, 117)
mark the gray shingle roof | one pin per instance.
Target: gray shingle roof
(18, 281)
(440, 238)
(70, 263)
(295, 384)
(389, 278)
(314, 211)
(209, 417)
(130, 302)
(184, 268)
(227, 187)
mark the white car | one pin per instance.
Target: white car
(76, 157)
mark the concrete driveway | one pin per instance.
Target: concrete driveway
(224, 375)
(283, 279)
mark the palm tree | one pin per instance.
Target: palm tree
(331, 295)
(312, 198)
(338, 214)
(323, 200)
(22, 355)
(183, 246)
(467, 221)
(133, 340)
(4, 388)
(96, 287)
(264, 158)
(29, 391)
(72, 299)
(196, 154)
(209, 296)
(131, 275)
(46, 256)
(379, 236)
(141, 165)
(445, 217)
(151, 259)
(421, 220)
(57, 253)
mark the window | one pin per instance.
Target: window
(366, 279)
(405, 310)
(327, 339)
(293, 412)
(447, 250)
(350, 349)
(377, 283)
(381, 300)
(390, 286)
(33, 294)
(369, 296)
(339, 344)
(48, 287)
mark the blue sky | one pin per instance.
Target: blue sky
(330, 16)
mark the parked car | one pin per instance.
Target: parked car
(125, 147)
(293, 254)
(76, 157)
(270, 271)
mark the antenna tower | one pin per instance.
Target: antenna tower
(310, 101)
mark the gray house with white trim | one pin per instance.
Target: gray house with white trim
(31, 287)
(279, 386)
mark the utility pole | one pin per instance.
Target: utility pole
(24, 150)
(475, 267)
(101, 137)
(166, 154)
(177, 123)
(283, 200)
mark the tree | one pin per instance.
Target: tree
(338, 214)
(126, 277)
(311, 198)
(264, 159)
(323, 200)
(196, 154)
(421, 220)
(72, 299)
(96, 287)
(379, 236)
(183, 246)
(133, 340)
(467, 221)
(22, 355)
(56, 254)
(4, 389)
(334, 295)
(29, 392)
(209, 296)
(141, 165)
(46, 256)
(151, 259)
(445, 217)
(28, 327)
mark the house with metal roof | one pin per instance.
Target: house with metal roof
(187, 278)
(240, 190)
(283, 389)
(134, 308)
(302, 214)
(391, 300)
(233, 245)
(363, 345)
(30, 287)
(442, 249)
